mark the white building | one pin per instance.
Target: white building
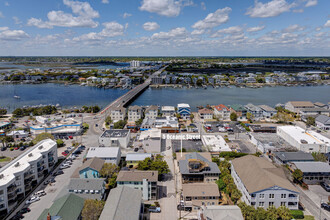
(184, 110)
(151, 112)
(117, 114)
(108, 154)
(323, 122)
(135, 63)
(21, 175)
(303, 140)
(150, 140)
(267, 111)
(262, 184)
(215, 143)
(222, 112)
(168, 111)
(206, 114)
(18, 134)
(115, 138)
(134, 113)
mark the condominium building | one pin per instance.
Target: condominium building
(151, 112)
(184, 110)
(297, 106)
(262, 184)
(134, 113)
(19, 177)
(118, 114)
(135, 63)
(168, 111)
(221, 111)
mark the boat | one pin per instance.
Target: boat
(17, 97)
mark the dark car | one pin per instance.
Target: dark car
(325, 186)
(22, 148)
(25, 210)
(325, 206)
(58, 173)
(77, 151)
(17, 216)
(66, 138)
(52, 180)
(3, 148)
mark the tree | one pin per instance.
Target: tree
(236, 195)
(41, 137)
(92, 209)
(297, 175)
(221, 184)
(3, 111)
(230, 188)
(60, 143)
(154, 164)
(119, 124)
(108, 120)
(272, 213)
(284, 213)
(249, 116)
(96, 109)
(233, 116)
(310, 121)
(138, 122)
(108, 170)
(319, 156)
(18, 112)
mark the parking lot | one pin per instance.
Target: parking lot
(188, 145)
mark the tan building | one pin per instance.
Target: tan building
(196, 195)
(297, 106)
(205, 113)
(134, 113)
(117, 114)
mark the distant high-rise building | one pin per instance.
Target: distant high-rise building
(135, 63)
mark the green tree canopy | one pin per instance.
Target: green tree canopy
(233, 116)
(41, 137)
(92, 209)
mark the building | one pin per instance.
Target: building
(196, 195)
(297, 106)
(222, 112)
(320, 105)
(206, 114)
(117, 114)
(108, 154)
(115, 138)
(267, 111)
(184, 110)
(269, 142)
(255, 111)
(151, 112)
(168, 111)
(307, 141)
(196, 168)
(149, 140)
(323, 122)
(291, 157)
(223, 212)
(239, 110)
(134, 113)
(313, 172)
(123, 203)
(157, 80)
(306, 112)
(135, 63)
(262, 184)
(90, 169)
(132, 159)
(215, 143)
(18, 134)
(166, 124)
(22, 174)
(146, 181)
(68, 207)
(87, 188)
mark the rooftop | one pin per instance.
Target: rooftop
(224, 212)
(186, 167)
(272, 140)
(103, 152)
(221, 107)
(150, 133)
(115, 133)
(313, 167)
(137, 156)
(183, 105)
(267, 108)
(86, 184)
(298, 104)
(94, 163)
(323, 119)
(152, 108)
(205, 111)
(134, 108)
(215, 143)
(137, 175)
(294, 156)
(168, 108)
(200, 189)
(258, 174)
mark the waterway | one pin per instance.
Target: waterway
(77, 96)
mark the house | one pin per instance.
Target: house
(19, 176)
(87, 188)
(313, 172)
(223, 212)
(168, 111)
(307, 141)
(68, 207)
(184, 110)
(115, 138)
(90, 169)
(117, 114)
(134, 113)
(108, 154)
(239, 110)
(196, 168)
(255, 111)
(291, 157)
(123, 203)
(222, 112)
(297, 106)
(267, 111)
(132, 159)
(306, 112)
(320, 105)
(144, 180)
(18, 134)
(196, 195)
(206, 114)
(262, 184)
(323, 122)
(151, 112)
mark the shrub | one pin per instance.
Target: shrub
(297, 214)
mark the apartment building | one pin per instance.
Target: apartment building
(205, 113)
(19, 177)
(115, 138)
(262, 184)
(297, 106)
(146, 181)
(184, 110)
(168, 111)
(117, 114)
(134, 113)
(222, 112)
(151, 112)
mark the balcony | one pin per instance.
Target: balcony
(28, 187)
(11, 188)
(12, 195)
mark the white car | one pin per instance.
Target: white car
(69, 162)
(64, 166)
(39, 193)
(32, 199)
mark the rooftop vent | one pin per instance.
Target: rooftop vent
(17, 164)
(40, 147)
(1, 176)
(30, 155)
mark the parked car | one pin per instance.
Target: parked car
(59, 172)
(154, 209)
(52, 180)
(71, 137)
(16, 148)
(40, 193)
(65, 153)
(25, 210)
(32, 200)
(17, 216)
(96, 125)
(3, 148)
(77, 151)
(69, 148)
(22, 148)
(325, 206)
(325, 186)
(66, 138)
(64, 166)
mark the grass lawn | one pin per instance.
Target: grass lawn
(308, 217)
(5, 159)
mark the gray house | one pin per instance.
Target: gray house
(289, 157)
(323, 122)
(313, 172)
(87, 188)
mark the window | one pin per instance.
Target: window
(283, 196)
(283, 203)
(1, 198)
(261, 204)
(271, 203)
(271, 196)
(261, 196)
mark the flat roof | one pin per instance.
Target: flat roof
(271, 139)
(137, 156)
(294, 156)
(216, 143)
(200, 189)
(103, 152)
(150, 133)
(313, 167)
(183, 105)
(138, 175)
(115, 133)
(168, 108)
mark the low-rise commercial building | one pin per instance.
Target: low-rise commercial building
(307, 141)
(87, 188)
(18, 134)
(313, 172)
(132, 159)
(146, 181)
(168, 111)
(108, 154)
(290, 157)
(115, 138)
(215, 143)
(269, 142)
(262, 184)
(19, 177)
(149, 140)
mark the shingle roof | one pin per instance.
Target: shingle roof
(294, 156)
(138, 175)
(200, 189)
(205, 111)
(259, 174)
(221, 107)
(267, 108)
(86, 184)
(313, 167)
(323, 119)
(134, 108)
(152, 108)
(123, 203)
(94, 163)
(298, 104)
(224, 212)
(68, 207)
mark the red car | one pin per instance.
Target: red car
(65, 153)
(70, 137)
(16, 148)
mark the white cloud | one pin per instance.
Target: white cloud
(203, 5)
(61, 19)
(255, 29)
(12, 35)
(293, 28)
(234, 30)
(198, 32)
(169, 8)
(327, 24)
(17, 20)
(269, 9)
(174, 33)
(311, 3)
(4, 28)
(105, 1)
(298, 10)
(126, 15)
(150, 26)
(212, 20)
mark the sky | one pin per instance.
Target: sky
(165, 28)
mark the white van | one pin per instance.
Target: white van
(40, 193)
